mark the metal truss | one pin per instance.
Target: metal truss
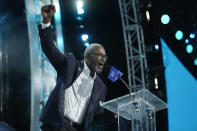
(134, 43)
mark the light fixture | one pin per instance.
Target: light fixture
(165, 19)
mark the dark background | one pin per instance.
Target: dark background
(103, 24)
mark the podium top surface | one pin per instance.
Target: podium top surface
(129, 105)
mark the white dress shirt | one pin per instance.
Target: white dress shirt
(78, 94)
(45, 25)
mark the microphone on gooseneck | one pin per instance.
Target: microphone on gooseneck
(115, 74)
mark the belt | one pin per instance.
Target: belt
(72, 124)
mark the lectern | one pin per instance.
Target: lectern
(136, 111)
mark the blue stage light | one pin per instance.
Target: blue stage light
(86, 44)
(195, 62)
(179, 35)
(57, 16)
(192, 35)
(79, 18)
(189, 48)
(165, 19)
(84, 37)
(186, 41)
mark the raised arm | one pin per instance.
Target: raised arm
(53, 54)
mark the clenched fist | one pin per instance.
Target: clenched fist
(47, 12)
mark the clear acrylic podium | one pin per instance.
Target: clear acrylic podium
(136, 111)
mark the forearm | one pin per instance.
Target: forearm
(49, 48)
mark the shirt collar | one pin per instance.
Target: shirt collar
(87, 70)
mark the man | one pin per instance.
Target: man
(74, 102)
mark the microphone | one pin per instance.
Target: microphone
(115, 74)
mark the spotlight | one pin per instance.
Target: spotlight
(86, 44)
(81, 26)
(156, 83)
(165, 19)
(186, 41)
(157, 47)
(195, 62)
(192, 35)
(79, 18)
(84, 37)
(147, 15)
(189, 49)
(80, 9)
(179, 35)
(79, 4)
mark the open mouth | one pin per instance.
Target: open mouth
(100, 65)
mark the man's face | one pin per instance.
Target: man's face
(97, 59)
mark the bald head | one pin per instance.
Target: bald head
(95, 57)
(91, 48)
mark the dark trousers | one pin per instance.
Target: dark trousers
(69, 126)
(50, 128)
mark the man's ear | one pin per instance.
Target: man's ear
(87, 56)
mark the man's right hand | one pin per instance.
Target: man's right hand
(47, 12)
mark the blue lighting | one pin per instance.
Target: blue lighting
(195, 62)
(84, 37)
(79, 18)
(186, 41)
(179, 35)
(165, 19)
(192, 35)
(157, 47)
(181, 93)
(86, 44)
(189, 48)
(60, 43)
(57, 16)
